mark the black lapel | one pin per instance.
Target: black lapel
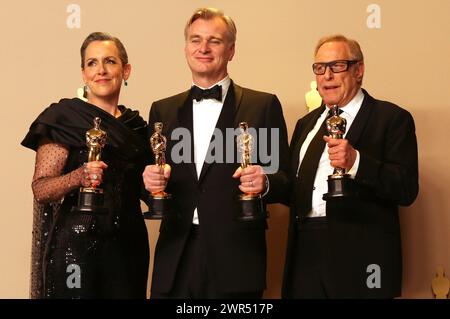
(226, 119)
(237, 102)
(359, 123)
(308, 127)
(185, 120)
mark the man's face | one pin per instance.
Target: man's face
(338, 88)
(208, 49)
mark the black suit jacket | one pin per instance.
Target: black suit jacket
(364, 230)
(235, 251)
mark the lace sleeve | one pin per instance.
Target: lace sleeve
(49, 185)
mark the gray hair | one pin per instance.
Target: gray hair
(103, 36)
(209, 14)
(355, 49)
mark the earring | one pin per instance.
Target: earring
(85, 91)
(125, 82)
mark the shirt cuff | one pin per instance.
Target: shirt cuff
(267, 186)
(352, 171)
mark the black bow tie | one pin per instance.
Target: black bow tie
(213, 93)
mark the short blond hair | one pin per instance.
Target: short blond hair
(209, 14)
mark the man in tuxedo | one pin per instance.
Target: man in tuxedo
(349, 247)
(204, 252)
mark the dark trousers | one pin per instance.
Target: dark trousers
(193, 280)
(309, 269)
(320, 269)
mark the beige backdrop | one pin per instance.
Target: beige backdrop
(407, 62)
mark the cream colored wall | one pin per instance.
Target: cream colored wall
(407, 62)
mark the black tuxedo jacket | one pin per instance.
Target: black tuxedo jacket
(364, 230)
(235, 251)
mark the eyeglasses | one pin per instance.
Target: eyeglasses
(335, 66)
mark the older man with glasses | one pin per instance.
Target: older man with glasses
(349, 246)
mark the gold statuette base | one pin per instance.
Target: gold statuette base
(90, 201)
(252, 208)
(160, 206)
(339, 186)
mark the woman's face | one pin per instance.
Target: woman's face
(103, 71)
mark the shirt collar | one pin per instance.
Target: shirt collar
(352, 107)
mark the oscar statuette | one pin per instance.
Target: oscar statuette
(160, 202)
(339, 183)
(252, 207)
(91, 199)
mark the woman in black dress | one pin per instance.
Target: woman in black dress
(90, 255)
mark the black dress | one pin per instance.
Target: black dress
(77, 255)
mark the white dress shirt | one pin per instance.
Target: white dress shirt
(205, 115)
(324, 169)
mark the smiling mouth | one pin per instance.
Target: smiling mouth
(204, 59)
(330, 87)
(102, 81)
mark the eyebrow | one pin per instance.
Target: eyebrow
(213, 37)
(332, 61)
(108, 57)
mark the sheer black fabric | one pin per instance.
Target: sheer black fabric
(88, 256)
